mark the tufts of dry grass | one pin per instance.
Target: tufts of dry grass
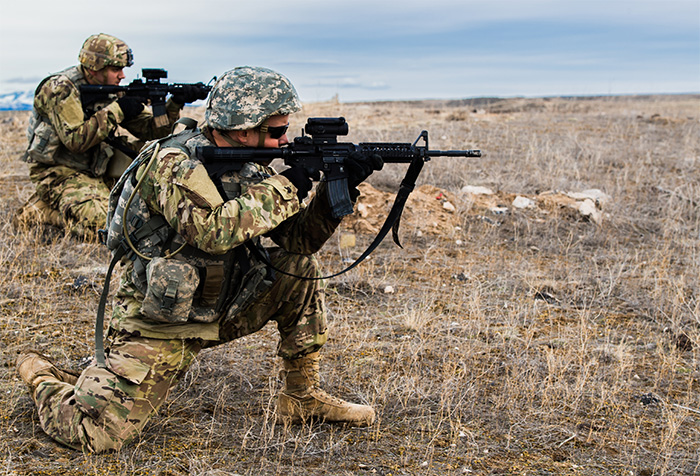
(498, 341)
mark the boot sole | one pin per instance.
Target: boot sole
(297, 420)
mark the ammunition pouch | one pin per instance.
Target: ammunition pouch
(170, 292)
(101, 156)
(117, 164)
(46, 148)
(43, 142)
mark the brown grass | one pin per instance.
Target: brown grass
(531, 341)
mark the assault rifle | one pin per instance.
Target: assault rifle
(151, 90)
(320, 151)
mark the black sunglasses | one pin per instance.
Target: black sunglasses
(275, 132)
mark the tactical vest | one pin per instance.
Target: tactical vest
(180, 282)
(45, 147)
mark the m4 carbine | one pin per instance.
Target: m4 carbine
(149, 90)
(320, 151)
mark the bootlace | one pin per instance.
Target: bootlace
(325, 397)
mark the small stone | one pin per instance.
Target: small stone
(523, 202)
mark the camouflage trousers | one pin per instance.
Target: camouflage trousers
(108, 407)
(80, 199)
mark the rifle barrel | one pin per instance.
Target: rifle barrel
(406, 158)
(455, 153)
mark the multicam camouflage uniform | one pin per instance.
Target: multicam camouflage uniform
(108, 407)
(67, 149)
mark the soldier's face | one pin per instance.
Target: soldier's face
(275, 137)
(251, 137)
(108, 76)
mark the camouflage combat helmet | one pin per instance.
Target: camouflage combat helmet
(244, 97)
(103, 50)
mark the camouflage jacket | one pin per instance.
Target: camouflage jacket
(74, 137)
(179, 188)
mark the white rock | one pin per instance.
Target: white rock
(448, 206)
(363, 210)
(523, 202)
(588, 209)
(389, 290)
(599, 197)
(476, 190)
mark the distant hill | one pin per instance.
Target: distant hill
(23, 101)
(17, 101)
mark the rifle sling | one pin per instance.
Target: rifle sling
(391, 222)
(99, 320)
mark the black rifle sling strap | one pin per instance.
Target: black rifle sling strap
(99, 319)
(391, 222)
(131, 153)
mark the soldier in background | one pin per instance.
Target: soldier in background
(73, 151)
(202, 276)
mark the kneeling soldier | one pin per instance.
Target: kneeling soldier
(201, 276)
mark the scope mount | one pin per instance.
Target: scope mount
(154, 75)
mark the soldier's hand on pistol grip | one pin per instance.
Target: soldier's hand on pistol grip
(301, 179)
(130, 106)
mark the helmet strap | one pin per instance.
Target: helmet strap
(224, 135)
(90, 75)
(263, 133)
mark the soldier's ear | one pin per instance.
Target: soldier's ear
(232, 138)
(90, 75)
(245, 137)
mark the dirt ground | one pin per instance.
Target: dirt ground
(542, 317)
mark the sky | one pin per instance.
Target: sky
(371, 50)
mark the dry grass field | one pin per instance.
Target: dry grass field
(502, 339)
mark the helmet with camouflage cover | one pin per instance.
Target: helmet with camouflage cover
(244, 97)
(103, 50)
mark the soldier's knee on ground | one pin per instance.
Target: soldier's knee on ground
(85, 218)
(89, 213)
(110, 405)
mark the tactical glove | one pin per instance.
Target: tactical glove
(301, 179)
(130, 106)
(360, 166)
(190, 93)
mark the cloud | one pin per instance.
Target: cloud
(378, 50)
(349, 83)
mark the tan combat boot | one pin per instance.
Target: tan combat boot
(36, 212)
(34, 368)
(302, 398)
